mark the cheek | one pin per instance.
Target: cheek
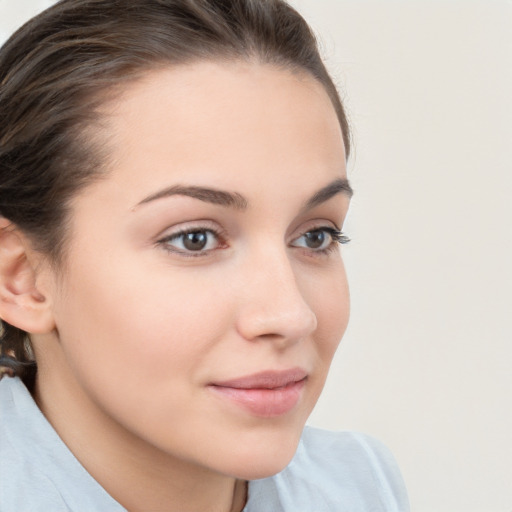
(144, 329)
(331, 304)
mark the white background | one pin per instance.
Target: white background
(425, 364)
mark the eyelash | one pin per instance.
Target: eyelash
(337, 238)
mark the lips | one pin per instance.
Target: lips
(266, 394)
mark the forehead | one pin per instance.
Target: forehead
(224, 121)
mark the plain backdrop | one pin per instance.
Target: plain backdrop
(425, 364)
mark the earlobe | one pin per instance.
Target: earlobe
(22, 304)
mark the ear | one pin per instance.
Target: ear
(22, 304)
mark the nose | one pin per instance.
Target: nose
(272, 305)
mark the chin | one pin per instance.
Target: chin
(263, 457)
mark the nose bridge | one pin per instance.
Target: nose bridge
(273, 303)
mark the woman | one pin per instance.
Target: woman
(173, 187)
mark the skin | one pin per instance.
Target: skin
(140, 328)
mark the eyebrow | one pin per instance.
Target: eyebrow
(208, 195)
(339, 186)
(237, 201)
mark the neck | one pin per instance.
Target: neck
(135, 473)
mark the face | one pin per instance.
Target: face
(203, 294)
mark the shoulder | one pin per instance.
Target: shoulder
(355, 458)
(38, 472)
(338, 472)
(20, 480)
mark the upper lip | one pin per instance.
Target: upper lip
(269, 379)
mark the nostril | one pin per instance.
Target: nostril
(270, 321)
(272, 305)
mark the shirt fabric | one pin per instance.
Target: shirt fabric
(330, 472)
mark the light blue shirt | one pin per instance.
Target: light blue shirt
(331, 471)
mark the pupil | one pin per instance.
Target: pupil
(195, 241)
(315, 239)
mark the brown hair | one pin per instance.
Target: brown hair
(55, 71)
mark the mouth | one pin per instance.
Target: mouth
(266, 394)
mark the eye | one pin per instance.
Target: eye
(320, 239)
(195, 240)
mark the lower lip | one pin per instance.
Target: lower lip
(266, 403)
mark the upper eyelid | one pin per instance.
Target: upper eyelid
(334, 232)
(215, 228)
(186, 231)
(187, 227)
(219, 229)
(313, 225)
